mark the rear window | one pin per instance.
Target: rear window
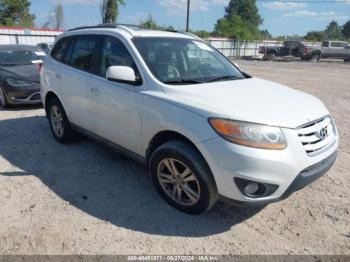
(19, 57)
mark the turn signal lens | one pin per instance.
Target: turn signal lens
(248, 134)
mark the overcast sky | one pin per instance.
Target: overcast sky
(280, 18)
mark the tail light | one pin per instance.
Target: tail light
(305, 50)
(40, 66)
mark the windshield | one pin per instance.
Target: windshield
(19, 57)
(185, 61)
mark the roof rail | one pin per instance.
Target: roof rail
(181, 32)
(126, 27)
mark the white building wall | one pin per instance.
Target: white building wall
(27, 36)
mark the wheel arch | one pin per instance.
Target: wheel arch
(165, 136)
(50, 95)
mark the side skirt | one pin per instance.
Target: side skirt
(113, 146)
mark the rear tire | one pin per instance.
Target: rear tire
(271, 57)
(183, 178)
(3, 100)
(59, 123)
(315, 58)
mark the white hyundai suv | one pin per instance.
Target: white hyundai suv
(202, 127)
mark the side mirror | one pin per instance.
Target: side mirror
(122, 74)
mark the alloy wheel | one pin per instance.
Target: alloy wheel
(57, 123)
(178, 181)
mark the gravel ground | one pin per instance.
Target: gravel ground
(86, 199)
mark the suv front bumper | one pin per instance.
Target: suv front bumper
(305, 178)
(283, 171)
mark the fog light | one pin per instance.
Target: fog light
(251, 189)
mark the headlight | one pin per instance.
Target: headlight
(248, 134)
(17, 82)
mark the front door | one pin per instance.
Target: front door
(116, 110)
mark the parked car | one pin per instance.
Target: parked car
(19, 74)
(46, 47)
(202, 127)
(289, 48)
(329, 49)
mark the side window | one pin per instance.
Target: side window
(114, 53)
(343, 44)
(83, 52)
(325, 44)
(60, 49)
(335, 44)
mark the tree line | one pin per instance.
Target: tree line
(241, 21)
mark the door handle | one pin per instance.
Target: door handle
(95, 91)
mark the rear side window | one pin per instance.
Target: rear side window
(60, 49)
(83, 52)
(335, 44)
(325, 44)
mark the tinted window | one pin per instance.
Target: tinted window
(335, 44)
(114, 53)
(60, 49)
(325, 44)
(83, 52)
(19, 57)
(344, 44)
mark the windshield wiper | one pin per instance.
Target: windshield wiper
(184, 81)
(220, 78)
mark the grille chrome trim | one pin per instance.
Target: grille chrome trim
(317, 136)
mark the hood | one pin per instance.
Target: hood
(251, 100)
(28, 73)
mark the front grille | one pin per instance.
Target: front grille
(317, 136)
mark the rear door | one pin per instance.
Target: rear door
(326, 49)
(80, 60)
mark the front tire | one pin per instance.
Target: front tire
(183, 178)
(59, 123)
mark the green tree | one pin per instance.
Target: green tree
(247, 10)
(265, 34)
(202, 34)
(233, 27)
(16, 13)
(110, 10)
(333, 31)
(242, 20)
(149, 23)
(346, 30)
(316, 36)
(58, 16)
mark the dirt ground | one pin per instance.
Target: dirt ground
(85, 199)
